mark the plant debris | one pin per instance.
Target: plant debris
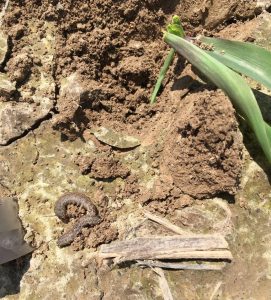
(115, 139)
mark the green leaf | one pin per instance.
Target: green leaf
(175, 27)
(162, 74)
(230, 82)
(246, 58)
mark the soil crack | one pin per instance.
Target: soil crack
(35, 126)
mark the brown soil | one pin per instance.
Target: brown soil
(103, 65)
(106, 62)
(203, 152)
(102, 233)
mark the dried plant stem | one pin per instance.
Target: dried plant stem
(194, 247)
(216, 290)
(3, 12)
(163, 284)
(164, 222)
(203, 266)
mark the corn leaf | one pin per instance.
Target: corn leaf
(246, 58)
(175, 27)
(231, 83)
(162, 75)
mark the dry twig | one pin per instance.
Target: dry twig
(163, 284)
(4, 9)
(164, 222)
(204, 266)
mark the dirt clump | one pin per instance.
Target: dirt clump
(20, 67)
(213, 15)
(164, 197)
(104, 166)
(108, 168)
(204, 150)
(168, 206)
(104, 232)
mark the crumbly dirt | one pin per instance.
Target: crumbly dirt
(102, 233)
(203, 152)
(107, 168)
(78, 66)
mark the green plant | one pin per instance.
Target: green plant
(220, 64)
(175, 27)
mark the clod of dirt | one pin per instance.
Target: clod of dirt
(160, 191)
(103, 234)
(164, 197)
(134, 71)
(203, 151)
(212, 14)
(84, 163)
(70, 119)
(108, 168)
(93, 237)
(19, 67)
(131, 188)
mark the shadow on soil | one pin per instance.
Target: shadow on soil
(250, 141)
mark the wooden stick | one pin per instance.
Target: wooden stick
(166, 223)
